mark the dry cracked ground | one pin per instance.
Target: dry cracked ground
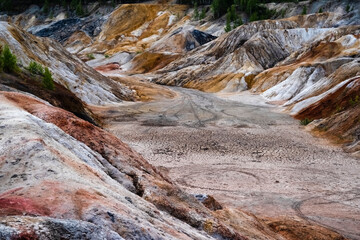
(245, 153)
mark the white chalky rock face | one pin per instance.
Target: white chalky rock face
(313, 76)
(90, 86)
(120, 58)
(300, 80)
(253, 48)
(307, 102)
(39, 155)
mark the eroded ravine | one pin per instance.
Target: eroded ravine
(246, 155)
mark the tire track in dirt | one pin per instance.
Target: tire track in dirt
(297, 207)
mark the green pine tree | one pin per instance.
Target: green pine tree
(1, 64)
(203, 13)
(238, 22)
(5, 5)
(304, 11)
(74, 4)
(243, 4)
(9, 61)
(250, 6)
(233, 13)
(254, 17)
(46, 7)
(48, 81)
(196, 11)
(228, 21)
(347, 8)
(36, 68)
(215, 6)
(283, 12)
(63, 3)
(79, 9)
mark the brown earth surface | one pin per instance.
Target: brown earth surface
(247, 155)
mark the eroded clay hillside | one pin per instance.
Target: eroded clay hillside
(291, 61)
(64, 175)
(68, 70)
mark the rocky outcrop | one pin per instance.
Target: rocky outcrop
(61, 22)
(145, 28)
(69, 71)
(181, 40)
(63, 29)
(60, 30)
(336, 113)
(248, 50)
(295, 229)
(134, 28)
(155, 37)
(60, 97)
(17, 227)
(325, 58)
(290, 9)
(164, 51)
(319, 83)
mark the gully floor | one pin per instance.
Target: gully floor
(246, 154)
